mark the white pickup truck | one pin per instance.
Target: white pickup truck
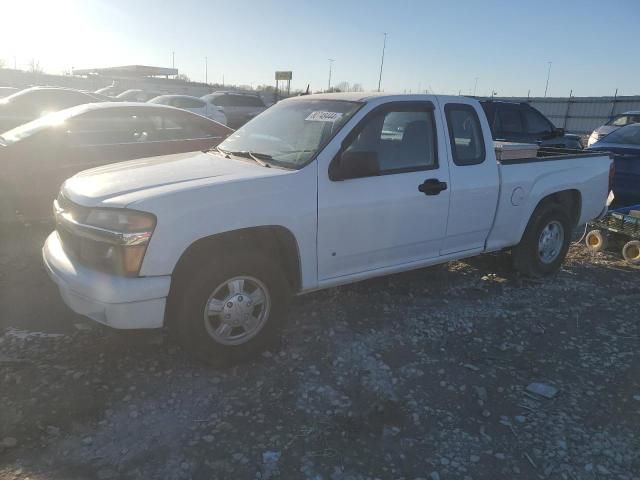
(315, 192)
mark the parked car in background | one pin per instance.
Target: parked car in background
(193, 104)
(34, 102)
(6, 91)
(136, 95)
(36, 157)
(624, 144)
(318, 191)
(521, 123)
(238, 107)
(110, 91)
(612, 125)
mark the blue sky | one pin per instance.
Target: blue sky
(437, 45)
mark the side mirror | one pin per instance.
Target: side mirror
(558, 132)
(354, 165)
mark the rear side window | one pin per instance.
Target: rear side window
(176, 126)
(250, 101)
(536, 123)
(509, 120)
(222, 101)
(465, 134)
(182, 102)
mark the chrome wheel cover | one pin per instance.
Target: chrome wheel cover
(237, 310)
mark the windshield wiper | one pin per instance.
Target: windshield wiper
(222, 152)
(253, 156)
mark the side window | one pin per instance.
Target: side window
(402, 137)
(536, 123)
(109, 128)
(174, 126)
(182, 102)
(465, 134)
(251, 101)
(509, 120)
(222, 101)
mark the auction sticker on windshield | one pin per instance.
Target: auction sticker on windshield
(324, 116)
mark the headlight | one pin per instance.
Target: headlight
(112, 240)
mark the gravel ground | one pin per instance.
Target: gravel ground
(421, 375)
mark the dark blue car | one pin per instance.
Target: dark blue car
(624, 144)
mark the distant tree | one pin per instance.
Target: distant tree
(34, 66)
(343, 87)
(2, 63)
(183, 77)
(357, 87)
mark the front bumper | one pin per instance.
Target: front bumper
(118, 302)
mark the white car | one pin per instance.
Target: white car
(193, 104)
(612, 125)
(317, 191)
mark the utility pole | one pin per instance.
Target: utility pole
(546, 87)
(206, 70)
(173, 59)
(384, 46)
(331, 60)
(475, 86)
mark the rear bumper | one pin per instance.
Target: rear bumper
(118, 302)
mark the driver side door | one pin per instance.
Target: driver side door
(389, 217)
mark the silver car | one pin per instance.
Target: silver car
(238, 107)
(612, 125)
(193, 104)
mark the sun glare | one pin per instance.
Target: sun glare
(50, 32)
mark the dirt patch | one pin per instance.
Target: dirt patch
(418, 375)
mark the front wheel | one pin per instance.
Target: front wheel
(545, 242)
(231, 308)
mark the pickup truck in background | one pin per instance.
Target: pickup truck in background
(317, 191)
(521, 123)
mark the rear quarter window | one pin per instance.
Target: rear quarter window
(465, 134)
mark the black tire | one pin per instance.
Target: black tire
(631, 252)
(596, 241)
(193, 295)
(526, 256)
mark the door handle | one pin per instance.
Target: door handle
(432, 186)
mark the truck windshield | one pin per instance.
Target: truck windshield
(291, 132)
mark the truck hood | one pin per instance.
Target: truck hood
(119, 184)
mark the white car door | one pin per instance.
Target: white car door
(392, 217)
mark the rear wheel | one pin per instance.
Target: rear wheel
(631, 252)
(231, 308)
(596, 241)
(545, 242)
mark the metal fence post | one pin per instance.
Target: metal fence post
(613, 103)
(566, 113)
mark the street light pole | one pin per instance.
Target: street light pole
(546, 87)
(206, 70)
(384, 45)
(475, 87)
(173, 59)
(331, 60)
